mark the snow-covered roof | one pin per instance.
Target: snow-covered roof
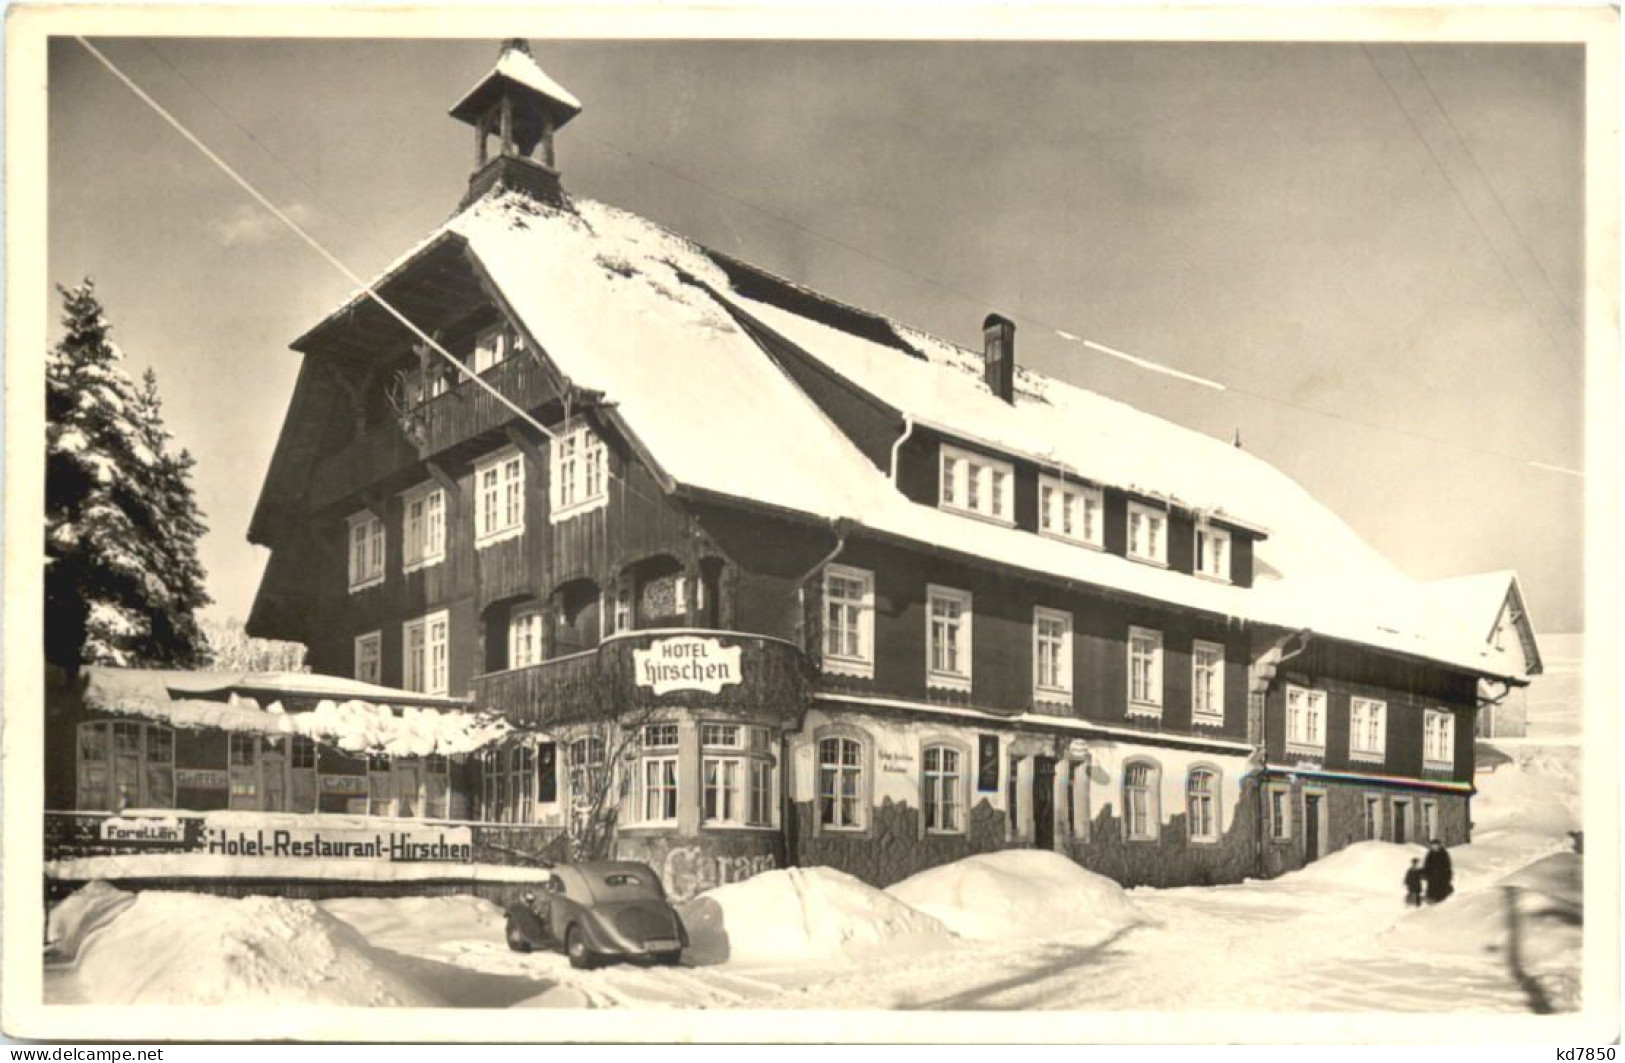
(519, 67)
(292, 686)
(625, 308)
(380, 723)
(1480, 600)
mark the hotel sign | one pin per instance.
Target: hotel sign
(405, 845)
(687, 662)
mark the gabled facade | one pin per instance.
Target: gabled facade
(865, 598)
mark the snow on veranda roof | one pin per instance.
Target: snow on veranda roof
(625, 308)
(358, 718)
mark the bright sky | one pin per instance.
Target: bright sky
(1348, 237)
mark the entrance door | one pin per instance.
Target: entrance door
(1044, 802)
(1402, 815)
(274, 770)
(1311, 826)
(406, 787)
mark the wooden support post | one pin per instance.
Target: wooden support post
(527, 446)
(507, 127)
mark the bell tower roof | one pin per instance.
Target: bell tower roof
(518, 78)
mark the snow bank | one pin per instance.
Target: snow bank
(797, 914)
(1537, 789)
(1369, 867)
(189, 948)
(219, 865)
(1019, 893)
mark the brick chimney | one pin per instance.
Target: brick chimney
(999, 356)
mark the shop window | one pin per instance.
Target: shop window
(1141, 815)
(849, 621)
(948, 638)
(737, 777)
(436, 786)
(841, 783)
(587, 774)
(499, 498)
(243, 754)
(124, 764)
(1305, 720)
(366, 550)
(657, 774)
(1207, 682)
(379, 787)
(522, 782)
(1202, 804)
(943, 784)
(1144, 671)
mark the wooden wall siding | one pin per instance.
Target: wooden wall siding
(466, 412)
(1407, 688)
(1345, 823)
(1002, 646)
(1115, 508)
(918, 465)
(603, 684)
(1181, 543)
(1241, 560)
(639, 521)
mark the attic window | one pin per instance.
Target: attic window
(977, 485)
(580, 472)
(1147, 534)
(1069, 511)
(1213, 553)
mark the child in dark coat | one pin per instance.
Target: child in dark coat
(1413, 885)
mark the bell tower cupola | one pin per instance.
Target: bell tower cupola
(515, 110)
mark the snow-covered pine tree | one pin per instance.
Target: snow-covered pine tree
(122, 579)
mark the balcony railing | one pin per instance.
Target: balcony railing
(432, 428)
(649, 669)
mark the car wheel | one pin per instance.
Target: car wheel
(516, 938)
(669, 959)
(575, 946)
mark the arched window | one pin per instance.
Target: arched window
(1141, 816)
(840, 783)
(943, 782)
(1202, 804)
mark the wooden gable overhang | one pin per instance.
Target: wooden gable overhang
(1514, 605)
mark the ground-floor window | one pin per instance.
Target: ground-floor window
(658, 776)
(840, 783)
(1140, 813)
(1278, 809)
(588, 781)
(1428, 825)
(1201, 802)
(125, 764)
(736, 768)
(436, 787)
(943, 785)
(243, 764)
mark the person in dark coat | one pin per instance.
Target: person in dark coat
(1436, 870)
(1413, 885)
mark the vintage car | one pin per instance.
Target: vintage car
(594, 911)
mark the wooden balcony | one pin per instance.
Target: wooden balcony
(441, 425)
(651, 669)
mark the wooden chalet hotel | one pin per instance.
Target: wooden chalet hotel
(817, 588)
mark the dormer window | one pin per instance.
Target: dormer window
(1070, 511)
(1213, 553)
(977, 485)
(1147, 534)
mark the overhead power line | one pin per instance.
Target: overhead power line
(314, 244)
(1113, 352)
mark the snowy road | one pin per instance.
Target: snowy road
(1289, 945)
